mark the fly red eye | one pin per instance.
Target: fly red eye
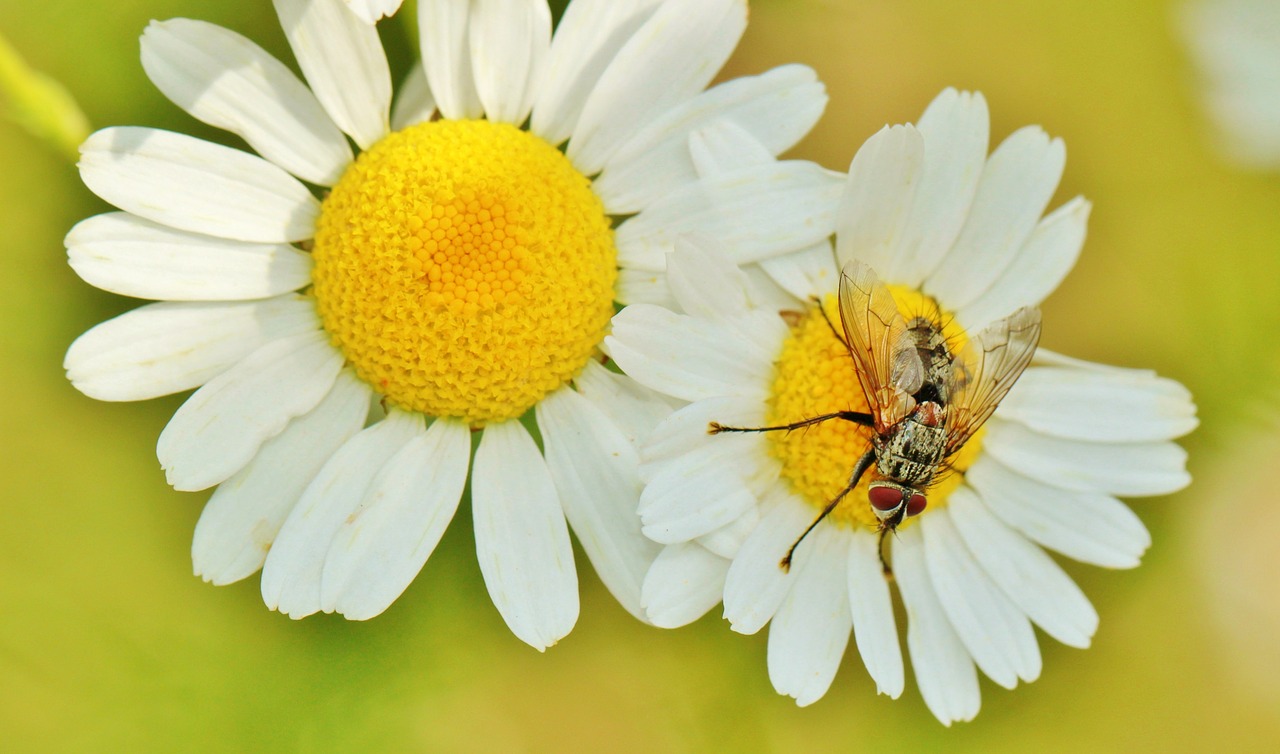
(915, 506)
(884, 498)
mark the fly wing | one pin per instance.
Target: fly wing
(995, 359)
(889, 368)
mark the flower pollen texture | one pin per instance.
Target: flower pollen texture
(465, 269)
(816, 375)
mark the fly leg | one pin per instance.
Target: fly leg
(864, 420)
(839, 335)
(858, 470)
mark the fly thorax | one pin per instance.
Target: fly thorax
(936, 357)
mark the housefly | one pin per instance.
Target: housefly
(926, 396)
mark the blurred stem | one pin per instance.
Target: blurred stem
(40, 104)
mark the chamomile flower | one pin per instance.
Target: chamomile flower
(1235, 45)
(959, 238)
(458, 274)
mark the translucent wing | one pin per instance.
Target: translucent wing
(996, 358)
(889, 368)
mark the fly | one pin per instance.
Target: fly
(926, 400)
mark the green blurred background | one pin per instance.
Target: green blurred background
(108, 643)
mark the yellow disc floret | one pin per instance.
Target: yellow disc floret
(465, 269)
(816, 375)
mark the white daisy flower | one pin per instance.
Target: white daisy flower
(1235, 45)
(960, 238)
(457, 274)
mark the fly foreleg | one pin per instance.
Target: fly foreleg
(859, 469)
(863, 420)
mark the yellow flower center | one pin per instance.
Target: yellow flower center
(465, 269)
(816, 375)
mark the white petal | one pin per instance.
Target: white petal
(755, 213)
(595, 470)
(446, 56)
(588, 37)
(998, 636)
(686, 581)
(643, 287)
(672, 57)
(765, 293)
(1087, 526)
(720, 147)
(1016, 185)
(692, 358)
(944, 671)
(631, 407)
(1036, 584)
(806, 273)
(379, 548)
(877, 198)
(221, 426)
(170, 347)
(810, 631)
(1130, 468)
(125, 254)
(703, 280)
(291, 577)
(955, 128)
(1045, 357)
(191, 184)
(522, 541)
(698, 483)
(227, 81)
(756, 584)
(874, 629)
(1083, 404)
(1041, 264)
(370, 11)
(343, 61)
(414, 103)
(695, 495)
(728, 539)
(509, 44)
(685, 431)
(240, 522)
(774, 109)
